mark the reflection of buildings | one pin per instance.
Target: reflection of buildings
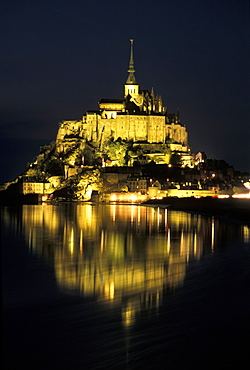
(125, 255)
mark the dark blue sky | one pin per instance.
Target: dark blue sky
(58, 58)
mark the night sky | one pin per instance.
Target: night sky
(59, 58)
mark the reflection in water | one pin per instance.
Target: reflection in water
(122, 255)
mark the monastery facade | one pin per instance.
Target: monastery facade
(139, 116)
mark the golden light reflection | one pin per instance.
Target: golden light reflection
(102, 242)
(71, 241)
(113, 211)
(246, 234)
(212, 234)
(168, 241)
(81, 242)
(195, 244)
(122, 254)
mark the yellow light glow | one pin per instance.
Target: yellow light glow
(112, 290)
(71, 241)
(44, 197)
(94, 273)
(246, 234)
(182, 252)
(133, 197)
(212, 235)
(102, 241)
(242, 196)
(168, 241)
(113, 212)
(129, 315)
(81, 241)
(112, 197)
(247, 185)
(195, 245)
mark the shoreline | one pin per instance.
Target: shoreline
(237, 210)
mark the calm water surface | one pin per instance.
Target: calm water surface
(123, 287)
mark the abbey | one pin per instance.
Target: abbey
(139, 117)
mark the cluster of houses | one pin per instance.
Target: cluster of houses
(124, 184)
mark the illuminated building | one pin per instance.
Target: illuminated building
(34, 187)
(138, 184)
(140, 116)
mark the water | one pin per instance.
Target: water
(123, 287)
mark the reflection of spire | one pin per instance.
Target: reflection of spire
(131, 77)
(178, 116)
(152, 93)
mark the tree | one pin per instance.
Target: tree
(54, 167)
(117, 151)
(89, 156)
(89, 180)
(175, 159)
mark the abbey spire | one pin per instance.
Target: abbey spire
(131, 87)
(131, 77)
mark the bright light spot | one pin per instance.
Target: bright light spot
(246, 234)
(247, 185)
(71, 241)
(44, 197)
(88, 192)
(127, 197)
(133, 197)
(223, 196)
(112, 197)
(241, 196)
(112, 290)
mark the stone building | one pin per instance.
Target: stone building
(138, 184)
(33, 186)
(139, 116)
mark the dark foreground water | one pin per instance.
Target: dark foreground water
(123, 287)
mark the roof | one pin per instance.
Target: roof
(93, 111)
(114, 101)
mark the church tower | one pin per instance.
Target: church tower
(131, 87)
